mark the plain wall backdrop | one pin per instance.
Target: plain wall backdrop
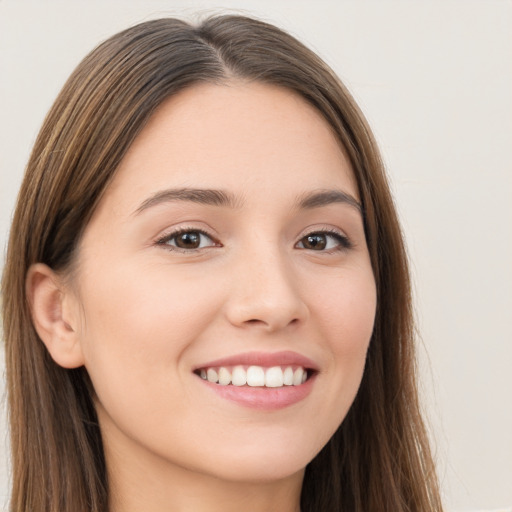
(435, 81)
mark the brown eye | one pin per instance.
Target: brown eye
(315, 241)
(191, 239)
(324, 241)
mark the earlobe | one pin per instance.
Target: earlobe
(50, 306)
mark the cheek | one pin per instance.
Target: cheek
(346, 312)
(141, 323)
(345, 315)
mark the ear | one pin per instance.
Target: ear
(53, 313)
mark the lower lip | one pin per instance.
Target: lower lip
(261, 397)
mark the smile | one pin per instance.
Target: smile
(259, 380)
(255, 376)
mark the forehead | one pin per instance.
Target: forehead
(240, 136)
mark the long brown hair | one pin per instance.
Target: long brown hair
(379, 459)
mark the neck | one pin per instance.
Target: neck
(201, 497)
(156, 486)
(202, 493)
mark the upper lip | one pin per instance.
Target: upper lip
(266, 359)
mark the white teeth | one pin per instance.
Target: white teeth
(224, 377)
(255, 376)
(211, 375)
(288, 376)
(297, 376)
(239, 376)
(274, 377)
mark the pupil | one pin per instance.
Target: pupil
(315, 242)
(188, 240)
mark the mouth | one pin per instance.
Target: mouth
(256, 376)
(262, 381)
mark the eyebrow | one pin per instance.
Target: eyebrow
(321, 198)
(195, 195)
(214, 197)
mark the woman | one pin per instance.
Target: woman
(206, 297)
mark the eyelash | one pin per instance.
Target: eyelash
(343, 242)
(175, 234)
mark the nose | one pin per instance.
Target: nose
(265, 293)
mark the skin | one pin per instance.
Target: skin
(141, 314)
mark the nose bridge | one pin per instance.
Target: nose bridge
(264, 289)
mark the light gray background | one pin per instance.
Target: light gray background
(435, 81)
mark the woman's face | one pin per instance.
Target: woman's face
(229, 242)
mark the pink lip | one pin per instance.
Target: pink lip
(267, 399)
(263, 398)
(284, 358)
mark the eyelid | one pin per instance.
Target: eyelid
(175, 232)
(345, 243)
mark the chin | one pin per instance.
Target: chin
(261, 471)
(264, 461)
